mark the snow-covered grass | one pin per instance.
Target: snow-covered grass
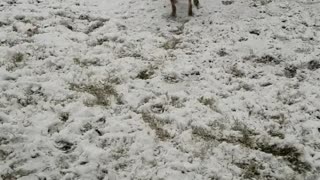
(101, 89)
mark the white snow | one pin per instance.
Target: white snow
(111, 90)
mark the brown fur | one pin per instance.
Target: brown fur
(174, 8)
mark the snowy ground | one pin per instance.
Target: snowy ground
(101, 89)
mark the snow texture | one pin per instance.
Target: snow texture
(118, 89)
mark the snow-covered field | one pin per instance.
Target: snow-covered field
(116, 89)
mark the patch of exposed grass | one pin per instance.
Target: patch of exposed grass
(171, 78)
(290, 71)
(158, 108)
(176, 101)
(103, 93)
(171, 44)
(222, 52)
(289, 153)
(93, 26)
(16, 59)
(313, 65)
(86, 127)
(85, 63)
(265, 59)
(119, 153)
(278, 134)
(146, 73)
(4, 140)
(209, 135)
(64, 146)
(209, 102)
(250, 169)
(129, 49)
(16, 174)
(203, 134)
(64, 116)
(3, 154)
(156, 125)
(247, 134)
(257, 3)
(77, 61)
(227, 2)
(236, 71)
